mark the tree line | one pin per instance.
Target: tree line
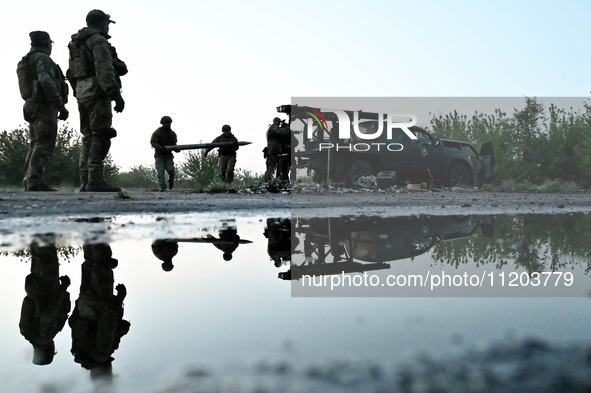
(533, 144)
(196, 171)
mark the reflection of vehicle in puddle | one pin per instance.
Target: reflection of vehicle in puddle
(359, 244)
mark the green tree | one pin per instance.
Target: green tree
(61, 168)
(13, 150)
(583, 147)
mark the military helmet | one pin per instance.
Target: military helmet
(226, 128)
(96, 16)
(276, 119)
(165, 120)
(39, 37)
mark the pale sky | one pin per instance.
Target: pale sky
(207, 63)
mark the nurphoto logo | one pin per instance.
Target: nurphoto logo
(364, 127)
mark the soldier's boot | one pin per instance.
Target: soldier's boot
(170, 181)
(229, 177)
(83, 187)
(102, 187)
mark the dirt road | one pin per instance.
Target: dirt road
(324, 203)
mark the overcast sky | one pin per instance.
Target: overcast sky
(209, 63)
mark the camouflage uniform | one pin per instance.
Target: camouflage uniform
(164, 136)
(47, 304)
(227, 154)
(94, 74)
(273, 149)
(50, 94)
(97, 322)
(284, 162)
(278, 141)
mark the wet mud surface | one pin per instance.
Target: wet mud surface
(407, 203)
(321, 203)
(27, 204)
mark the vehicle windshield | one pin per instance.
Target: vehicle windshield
(421, 135)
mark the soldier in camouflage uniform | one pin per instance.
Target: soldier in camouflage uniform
(94, 74)
(284, 162)
(42, 109)
(97, 323)
(47, 304)
(276, 133)
(164, 136)
(227, 154)
(273, 148)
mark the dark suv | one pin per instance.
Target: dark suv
(424, 159)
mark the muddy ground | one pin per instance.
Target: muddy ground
(18, 204)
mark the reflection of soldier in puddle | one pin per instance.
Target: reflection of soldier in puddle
(97, 320)
(165, 250)
(47, 304)
(227, 242)
(278, 231)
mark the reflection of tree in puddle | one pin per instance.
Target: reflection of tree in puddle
(533, 242)
(358, 244)
(65, 254)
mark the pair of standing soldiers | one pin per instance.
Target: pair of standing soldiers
(278, 151)
(94, 73)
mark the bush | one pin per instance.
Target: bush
(62, 166)
(200, 169)
(13, 150)
(142, 176)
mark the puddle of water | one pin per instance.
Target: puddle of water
(472, 255)
(213, 323)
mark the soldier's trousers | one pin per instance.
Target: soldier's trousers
(273, 150)
(165, 163)
(95, 121)
(283, 166)
(43, 133)
(227, 162)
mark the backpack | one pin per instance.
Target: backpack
(81, 63)
(25, 79)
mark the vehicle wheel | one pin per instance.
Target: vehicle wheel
(358, 169)
(459, 176)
